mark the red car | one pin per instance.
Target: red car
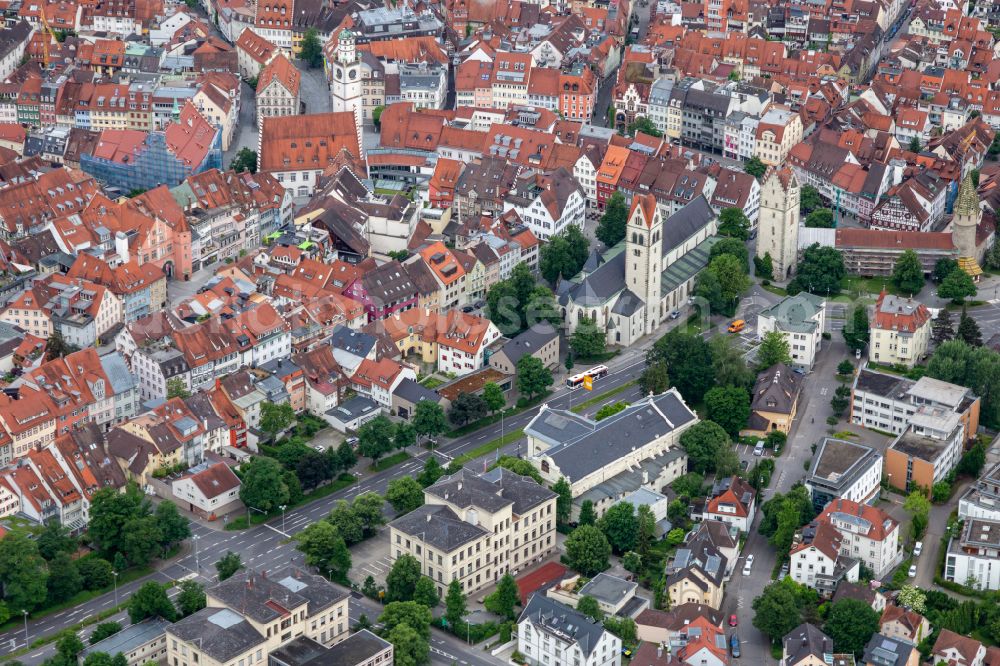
(732, 620)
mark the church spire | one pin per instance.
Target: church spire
(967, 202)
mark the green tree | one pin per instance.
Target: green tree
(369, 588)
(541, 308)
(64, 579)
(610, 410)
(776, 611)
(620, 526)
(68, 646)
(429, 419)
(689, 361)
(729, 407)
(96, 572)
(245, 160)
(941, 492)
(957, 286)
(504, 598)
(96, 659)
(344, 457)
(914, 145)
(103, 630)
(646, 529)
(409, 648)
(368, 508)
(228, 565)
(942, 268)
(729, 364)
(840, 401)
(504, 307)
(851, 623)
(291, 453)
(55, 539)
(425, 592)
(821, 218)
(23, 575)
(908, 273)
(377, 116)
(275, 418)
(588, 340)
(174, 527)
(263, 486)
(763, 267)
(809, 199)
(110, 510)
(654, 379)
(820, 271)
(972, 461)
(404, 494)
(493, 396)
(708, 287)
(191, 598)
(564, 500)
(734, 247)
(588, 516)
(787, 523)
(313, 469)
(691, 484)
(520, 466)
(734, 223)
(151, 600)
(942, 330)
(975, 367)
(431, 473)
(679, 512)
(375, 438)
(755, 167)
(467, 407)
(409, 613)
(632, 562)
(402, 579)
(404, 435)
(588, 606)
(856, 332)
(564, 255)
(587, 550)
(845, 368)
(454, 603)
(533, 378)
(732, 277)
(703, 441)
(912, 598)
(325, 549)
(968, 330)
(644, 125)
(611, 228)
(311, 49)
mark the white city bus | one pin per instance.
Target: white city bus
(576, 381)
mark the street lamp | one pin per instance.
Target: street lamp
(115, 574)
(197, 559)
(25, 627)
(283, 507)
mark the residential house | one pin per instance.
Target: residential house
(800, 320)
(540, 341)
(868, 534)
(903, 624)
(843, 469)
(884, 651)
(209, 490)
(548, 202)
(774, 401)
(806, 646)
(900, 331)
(952, 648)
(733, 501)
(816, 559)
(278, 90)
(972, 555)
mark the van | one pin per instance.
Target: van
(734, 645)
(759, 449)
(737, 326)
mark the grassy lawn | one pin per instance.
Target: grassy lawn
(341, 482)
(390, 461)
(777, 291)
(600, 397)
(856, 284)
(431, 382)
(490, 447)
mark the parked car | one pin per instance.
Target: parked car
(734, 646)
(783, 572)
(675, 314)
(737, 326)
(748, 564)
(744, 464)
(467, 308)
(913, 571)
(319, 448)
(918, 548)
(733, 621)
(759, 449)
(627, 651)
(353, 442)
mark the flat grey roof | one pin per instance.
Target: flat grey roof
(130, 637)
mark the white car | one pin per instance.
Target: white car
(918, 548)
(747, 565)
(913, 571)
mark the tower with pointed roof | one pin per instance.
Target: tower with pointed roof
(644, 254)
(778, 222)
(346, 76)
(964, 225)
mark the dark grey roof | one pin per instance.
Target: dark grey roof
(884, 651)
(838, 463)
(805, 640)
(358, 648)
(351, 341)
(298, 652)
(249, 593)
(220, 633)
(628, 304)
(439, 527)
(593, 262)
(129, 638)
(600, 285)
(529, 341)
(389, 283)
(492, 490)
(201, 406)
(422, 276)
(351, 409)
(686, 223)
(413, 392)
(883, 384)
(776, 390)
(608, 589)
(579, 446)
(563, 622)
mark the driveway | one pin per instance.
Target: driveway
(246, 131)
